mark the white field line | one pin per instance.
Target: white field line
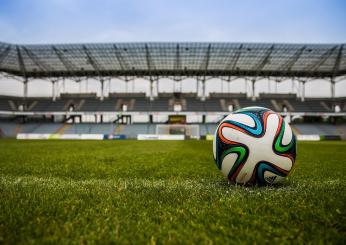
(120, 184)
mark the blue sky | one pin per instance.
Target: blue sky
(61, 21)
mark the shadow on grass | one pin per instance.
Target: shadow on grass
(224, 184)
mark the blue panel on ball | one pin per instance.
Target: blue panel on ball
(257, 130)
(264, 166)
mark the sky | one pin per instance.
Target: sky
(87, 21)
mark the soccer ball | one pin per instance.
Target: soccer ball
(254, 145)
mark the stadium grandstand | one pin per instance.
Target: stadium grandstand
(193, 115)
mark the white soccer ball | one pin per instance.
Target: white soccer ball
(254, 145)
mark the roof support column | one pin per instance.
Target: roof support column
(63, 85)
(151, 89)
(303, 90)
(203, 90)
(197, 87)
(102, 89)
(25, 88)
(332, 88)
(253, 89)
(54, 90)
(157, 85)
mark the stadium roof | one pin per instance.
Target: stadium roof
(173, 59)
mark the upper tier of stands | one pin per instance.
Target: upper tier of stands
(138, 102)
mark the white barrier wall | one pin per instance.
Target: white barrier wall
(139, 137)
(160, 137)
(308, 137)
(60, 136)
(33, 136)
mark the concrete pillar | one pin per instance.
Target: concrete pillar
(332, 88)
(102, 89)
(303, 91)
(197, 86)
(151, 89)
(25, 88)
(253, 89)
(63, 86)
(54, 90)
(203, 90)
(157, 86)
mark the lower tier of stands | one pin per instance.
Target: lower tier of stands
(9, 129)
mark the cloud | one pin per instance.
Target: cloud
(64, 21)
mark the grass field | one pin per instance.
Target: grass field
(163, 192)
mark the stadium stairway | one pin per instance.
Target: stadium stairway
(325, 106)
(63, 128)
(295, 130)
(275, 105)
(18, 129)
(12, 105)
(119, 129)
(341, 129)
(8, 129)
(288, 105)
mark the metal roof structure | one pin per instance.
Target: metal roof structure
(173, 59)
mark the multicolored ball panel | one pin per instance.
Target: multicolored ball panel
(244, 147)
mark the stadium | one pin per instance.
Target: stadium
(191, 115)
(127, 157)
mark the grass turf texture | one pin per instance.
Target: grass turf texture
(163, 192)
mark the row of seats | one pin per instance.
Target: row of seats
(320, 129)
(9, 129)
(169, 104)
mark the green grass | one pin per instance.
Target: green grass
(163, 192)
